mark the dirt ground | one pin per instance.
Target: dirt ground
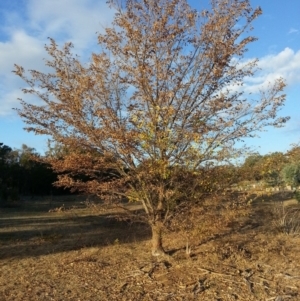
(77, 253)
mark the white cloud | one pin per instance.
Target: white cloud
(26, 32)
(9, 101)
(77, 21)
(20, 49)
(293, 30)
(285, 64)
(24, 50)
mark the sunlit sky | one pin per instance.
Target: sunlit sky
(25, 26)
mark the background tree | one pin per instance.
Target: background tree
(251, 168)
(154, 105)
(34, 176)
(291, 174)
(23, 173)
(4, 171)
(265, 168)
(293, 155)
(271, 166)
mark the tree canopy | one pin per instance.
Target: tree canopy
(162, 100)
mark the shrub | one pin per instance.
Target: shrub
(291, 174)
(287, 219)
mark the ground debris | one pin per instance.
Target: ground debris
(88, 260)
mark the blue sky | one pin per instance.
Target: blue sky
(26, 24)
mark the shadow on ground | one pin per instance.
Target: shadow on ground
(31, 230)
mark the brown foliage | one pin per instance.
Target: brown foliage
(154, 100)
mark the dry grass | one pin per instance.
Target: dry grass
(287, 217)
(75, 254)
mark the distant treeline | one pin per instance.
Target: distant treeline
(21, 175)
(274, 169)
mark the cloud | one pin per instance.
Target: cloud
(285, 64)
(76, 21)
(293, 30)
(24, 50)
(24, 31)
(9, 101)
(21, 48)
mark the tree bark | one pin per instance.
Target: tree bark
(157, 248)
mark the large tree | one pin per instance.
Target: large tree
(160, 102)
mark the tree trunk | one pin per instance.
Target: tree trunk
(157, 248)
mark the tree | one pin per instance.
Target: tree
(293, 155)
(251, 169)
(160, 102)
(271, 166)
(4, 170)
(267, 168)
(22, 172)
(33, 177)
(291, 174)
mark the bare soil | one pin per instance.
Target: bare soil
(78, 253)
